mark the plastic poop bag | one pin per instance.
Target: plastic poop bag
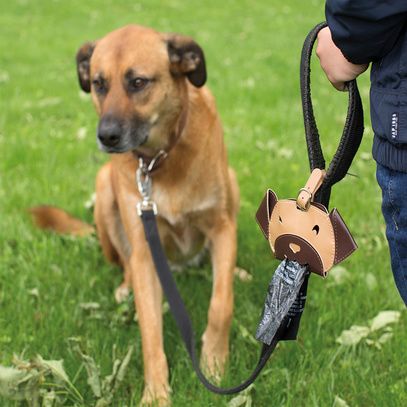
(281, 295)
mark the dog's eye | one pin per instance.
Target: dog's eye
(137, 84)
(315, 229)
(280, 220)
(99, 85)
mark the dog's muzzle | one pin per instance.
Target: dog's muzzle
(109, 132)
(118, 136)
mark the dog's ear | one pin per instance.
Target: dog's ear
(263, 214)
(186, 58)
(344, 242)
(83, 65)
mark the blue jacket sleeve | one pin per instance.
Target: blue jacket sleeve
(366, 30)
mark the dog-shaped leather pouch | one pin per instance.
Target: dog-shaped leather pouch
(303, 230)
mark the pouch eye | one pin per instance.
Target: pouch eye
(315, 229)
(279, 218)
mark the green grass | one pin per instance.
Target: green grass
(252, 50)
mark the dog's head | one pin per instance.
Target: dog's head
(138, 81)
(313, 237)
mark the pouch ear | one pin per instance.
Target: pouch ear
(345, 245)
(186, 58)
(263, 214)
(83, 65)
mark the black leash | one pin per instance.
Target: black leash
(147, 210)
(352, 132)
(180, 313)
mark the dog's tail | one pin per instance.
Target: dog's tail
(59, 221)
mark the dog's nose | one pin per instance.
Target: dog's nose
(109, 132)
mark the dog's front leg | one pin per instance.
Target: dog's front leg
(148, 300)
(216, 337)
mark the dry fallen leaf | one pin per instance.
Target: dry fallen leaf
(237, 401)
(352, 336)
(9, 379)
(81, 133)
(90, 203)
(270, 145)
(89, 306)
(371, 281)
(103, 388)
(286, 153)
(37, 382)
(338, 402)
(383, 319)
(243, 275)
(55, 366)
(34, 292)
(244, 399)
(338, 275)
(385, 337)
(379, 342)
(92, 370)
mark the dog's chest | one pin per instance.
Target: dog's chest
(181, 216)
(182, 207)
(182, 241)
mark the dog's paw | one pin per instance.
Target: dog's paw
(156, 397)
(213, 360)
(121, 293)
(212, 370)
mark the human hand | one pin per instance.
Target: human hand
(336, 67)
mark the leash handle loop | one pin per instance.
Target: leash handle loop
(352, 132)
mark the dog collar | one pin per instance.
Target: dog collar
(153, 163)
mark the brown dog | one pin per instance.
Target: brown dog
(147, 88)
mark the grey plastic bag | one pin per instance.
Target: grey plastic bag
(282, 292)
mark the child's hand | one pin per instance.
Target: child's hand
(337, 68)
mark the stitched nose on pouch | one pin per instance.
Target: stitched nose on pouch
(294, 247)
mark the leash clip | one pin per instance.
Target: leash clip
(146, 206)
(144, 184)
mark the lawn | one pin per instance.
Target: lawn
(54, 288)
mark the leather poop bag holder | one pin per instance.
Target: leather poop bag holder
(304, 231)
(307, 238)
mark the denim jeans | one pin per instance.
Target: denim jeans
(394, 208)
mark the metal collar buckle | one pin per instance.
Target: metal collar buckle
(152, 164)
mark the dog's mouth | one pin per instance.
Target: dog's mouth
(115, 137)
(123, 146)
